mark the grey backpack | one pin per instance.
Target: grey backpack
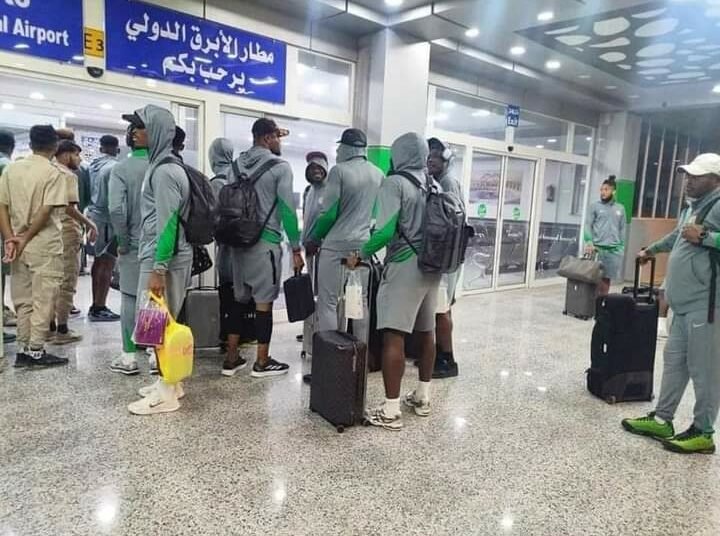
(445, 233)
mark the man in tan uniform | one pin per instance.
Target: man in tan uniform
(67, 159)
(33, 195)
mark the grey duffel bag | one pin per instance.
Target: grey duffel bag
(581, 269)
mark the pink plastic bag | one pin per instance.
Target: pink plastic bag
(150, 322)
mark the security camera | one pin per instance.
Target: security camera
(95, 72)
(511, 148)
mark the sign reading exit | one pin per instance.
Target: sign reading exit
(512, 115)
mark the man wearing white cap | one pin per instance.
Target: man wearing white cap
(693, 348)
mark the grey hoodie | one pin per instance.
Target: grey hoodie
(347, 205)
(124, 198)
(100, 169)
(220, 155)
(274, 185)
(165, 196)
(401, 204)
(687, 282)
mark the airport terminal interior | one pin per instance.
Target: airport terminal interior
(538, 102)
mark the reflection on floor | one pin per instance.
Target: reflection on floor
(515, 445)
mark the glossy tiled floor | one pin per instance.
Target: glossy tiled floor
(514, 446)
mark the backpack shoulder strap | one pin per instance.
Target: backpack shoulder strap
(264, 168)
(412, 178)
(702, 214)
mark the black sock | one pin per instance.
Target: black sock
(62, 328)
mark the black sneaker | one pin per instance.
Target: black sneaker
(40, 358)
(299, 338)
(271, 368)
(444, 368)
(21, 359)
(307, 378)
(9, 337)
(102, 314)
(75, 311)
(229, 369)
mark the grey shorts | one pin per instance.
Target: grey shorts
(407, 298)
(177, 281)
(612, 264)
(256, 272)
(106, 244)
(129, 268)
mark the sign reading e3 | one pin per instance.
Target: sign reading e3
(94, 42)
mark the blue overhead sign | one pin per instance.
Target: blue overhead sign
(154, 42)
(51, 29)
(512, 115)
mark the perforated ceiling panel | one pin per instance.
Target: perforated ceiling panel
(654, 44)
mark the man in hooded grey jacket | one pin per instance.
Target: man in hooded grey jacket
(124, 194)
(165, 254)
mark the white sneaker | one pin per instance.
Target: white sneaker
(148, 389)
(125, 363)
(662, 329)
(155, 403)
(421, 407)
(378, 417)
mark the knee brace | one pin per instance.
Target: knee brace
(263, 326)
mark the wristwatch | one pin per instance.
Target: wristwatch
(160, 271)
(703, 235)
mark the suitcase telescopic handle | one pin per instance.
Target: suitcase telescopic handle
(638, 268)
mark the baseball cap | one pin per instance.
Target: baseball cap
(134, 120)
(109, 141)
(319, 158)
(703, 164)
(67, 146)
(354, 137)
(265, 126)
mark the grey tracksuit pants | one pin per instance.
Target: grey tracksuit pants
(692, 353)
(129, 267)
(332, 276)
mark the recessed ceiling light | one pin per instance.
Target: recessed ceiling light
(68, 115)
(716, 89)
(552, 140)
(78, 57)
(545, 16)
(440, 117)
(106, 106)
(517, 51)
(8, 106)
(448, 105)
(553, 64)
(150, 83)
(302, 135)
(584, 76)
(589, 138)
(539, 146)
(472, 32)
(393, 3)
(481, 113)
(36, 95)
(21, 46)
(610, 87)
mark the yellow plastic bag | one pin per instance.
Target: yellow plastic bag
(176, 355)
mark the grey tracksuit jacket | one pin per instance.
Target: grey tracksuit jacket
(605, 226)
(312, 207)
(124, 197)
(221, 156)
(100, 169)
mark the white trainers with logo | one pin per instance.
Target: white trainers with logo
(162, 399)
(421, 407)
(378, 417)
(125, 363)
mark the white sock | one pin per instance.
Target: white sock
(166, 390)
(392, 407)
(422, 391)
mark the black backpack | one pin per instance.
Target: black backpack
(238, 221)
(714, 262)
(199, 224)
(445, 233)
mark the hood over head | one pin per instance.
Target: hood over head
(253, 156)
(160, 126)
(220, 154)
(409, 152)
(346, 152)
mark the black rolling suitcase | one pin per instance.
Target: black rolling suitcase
(623, 344)
(339, 371)
(374, 337)
(201, 312)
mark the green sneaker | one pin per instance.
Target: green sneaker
(693, 441)
(648, 426)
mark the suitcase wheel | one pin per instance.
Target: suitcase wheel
(565, 312)
(340, 428)
(303, 354)
(612, 399)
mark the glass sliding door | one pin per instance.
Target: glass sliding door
(515, 217)
(499, 208)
